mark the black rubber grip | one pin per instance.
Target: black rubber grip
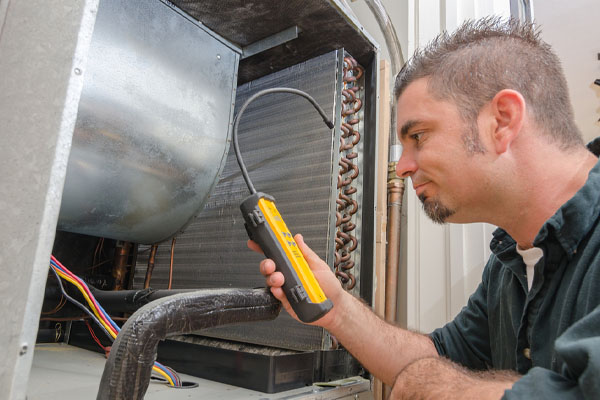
(260, 231)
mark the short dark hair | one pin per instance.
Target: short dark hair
(485, 56)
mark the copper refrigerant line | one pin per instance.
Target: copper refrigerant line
(345, 241)
(171, 263)
(151, 261)
(150, 268)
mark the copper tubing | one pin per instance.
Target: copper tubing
(171, 264)
(150, 266)
(120, 265)
(345, 242)
(395, 188)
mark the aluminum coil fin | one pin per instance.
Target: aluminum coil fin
(152, 127)
(291, 155)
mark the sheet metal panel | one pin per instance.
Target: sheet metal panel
(153, 121)
(41, 46)
(290, 154)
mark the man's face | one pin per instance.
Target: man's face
(445, 175)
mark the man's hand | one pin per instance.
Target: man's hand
(326, 279)
(381, 348)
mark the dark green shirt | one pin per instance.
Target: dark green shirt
(550, 334)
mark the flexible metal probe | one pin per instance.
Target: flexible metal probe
(266, 227)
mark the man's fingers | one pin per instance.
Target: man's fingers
(272, 277)
(276, 279)
(311, 257)
(267, 267)
(279, 294)
(254, 247)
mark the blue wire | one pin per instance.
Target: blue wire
(109, 319)
(168, 372)
(101, 309)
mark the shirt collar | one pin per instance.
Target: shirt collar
(502, 245)
(572, 222)
(569, 225)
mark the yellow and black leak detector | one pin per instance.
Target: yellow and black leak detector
(266, 227)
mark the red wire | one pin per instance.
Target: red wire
(76, 278)
(106, 349)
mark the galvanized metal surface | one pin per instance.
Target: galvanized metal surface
(43, 48)
(289, 154)
(325, 27)
(66, 372)
(269, 42)
(153, 122)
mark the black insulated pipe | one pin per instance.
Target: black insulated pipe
(129, 301)
(113, 301)
(129, 366)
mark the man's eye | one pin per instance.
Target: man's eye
(416, 136)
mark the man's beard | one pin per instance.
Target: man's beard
(435, 210)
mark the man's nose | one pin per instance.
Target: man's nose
(406, 166)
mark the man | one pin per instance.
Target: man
(488, 136)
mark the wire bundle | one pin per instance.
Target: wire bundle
(101, 317)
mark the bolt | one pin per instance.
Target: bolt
(23, 349)
(77, 71)
(218, 56)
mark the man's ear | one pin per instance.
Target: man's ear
(509, 109)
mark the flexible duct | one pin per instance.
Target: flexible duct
(128, 368)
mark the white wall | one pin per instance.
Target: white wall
(573, 30)
(398, 12)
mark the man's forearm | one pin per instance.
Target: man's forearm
(439, 378)
(383, 349)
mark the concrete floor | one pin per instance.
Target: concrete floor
(67, 372)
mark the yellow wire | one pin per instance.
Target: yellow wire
(109, 328)
(66, 277)
(164, 374)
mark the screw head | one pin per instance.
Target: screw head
(218, 56)
(23, 349)
(77, 71)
